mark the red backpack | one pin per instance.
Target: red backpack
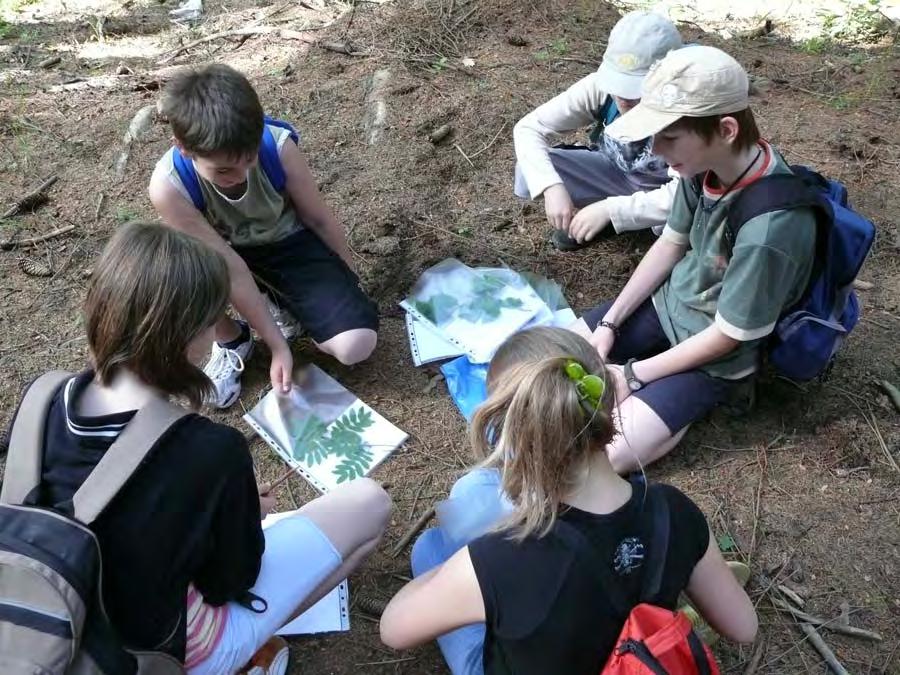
(654, 640)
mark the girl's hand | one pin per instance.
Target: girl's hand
(558, 206)
(267, 502)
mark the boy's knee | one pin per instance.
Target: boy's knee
(353, 346)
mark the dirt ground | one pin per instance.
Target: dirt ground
(805, 488)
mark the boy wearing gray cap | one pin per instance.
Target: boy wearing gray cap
(690, 323)
(610, 182)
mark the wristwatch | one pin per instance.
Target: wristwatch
(633, 382)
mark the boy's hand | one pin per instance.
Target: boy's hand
(282, 369)
(267, 502)
(558, 206)
(589, 222)
(602, 339)
(617, 373)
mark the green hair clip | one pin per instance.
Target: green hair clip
(589, 387)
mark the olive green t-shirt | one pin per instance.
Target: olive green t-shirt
(744, 296)
(261, 215)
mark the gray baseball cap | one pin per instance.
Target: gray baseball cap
(636, 42)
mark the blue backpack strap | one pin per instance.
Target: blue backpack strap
(269, 159)
(184, 167)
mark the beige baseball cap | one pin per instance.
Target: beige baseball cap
(690, 82)
(636, 42)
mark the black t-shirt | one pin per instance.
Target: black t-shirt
(190, 513)
(545, 608)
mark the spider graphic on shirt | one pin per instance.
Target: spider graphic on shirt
(629, 555)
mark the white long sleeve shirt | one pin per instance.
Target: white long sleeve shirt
(574, 109)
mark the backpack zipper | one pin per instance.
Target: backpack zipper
(639, 650)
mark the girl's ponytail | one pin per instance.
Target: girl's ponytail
(548, 411)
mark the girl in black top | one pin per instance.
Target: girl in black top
(523, 597)
(182, 541)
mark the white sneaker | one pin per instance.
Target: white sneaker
(224, 369)
(287, 324)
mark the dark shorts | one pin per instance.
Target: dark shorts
(313, 283)
(678, 399)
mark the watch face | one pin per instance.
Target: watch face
(634, 385)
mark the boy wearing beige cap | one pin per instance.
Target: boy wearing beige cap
(610, 182)
(690, 322)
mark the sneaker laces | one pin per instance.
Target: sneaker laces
(223, 363)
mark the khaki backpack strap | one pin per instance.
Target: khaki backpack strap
(123, 457)
(26, 440)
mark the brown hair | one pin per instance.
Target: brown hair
(707, 127)
(535, 427)
(153, 291)
(214, 109)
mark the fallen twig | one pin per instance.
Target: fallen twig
(462, 152)
(30, 198)
(493, 140)
(49, 62)
(758, 650)
(414, 529)
(284, 33)
(101, 201)
(892, 392)
(8, 244)
(831, 625)
(347, 48)
(824, 650)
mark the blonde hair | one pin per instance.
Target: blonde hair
(536, 428)
(152, 292)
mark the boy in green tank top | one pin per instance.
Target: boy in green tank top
(286, 240)
(690, 323)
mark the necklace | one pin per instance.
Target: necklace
(710, 209)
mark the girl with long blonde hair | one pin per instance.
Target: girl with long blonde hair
(509, 582)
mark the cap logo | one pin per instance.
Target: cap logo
(626, 61)
(669, 94)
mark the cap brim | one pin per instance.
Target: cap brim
(639, 123)
(619, 84)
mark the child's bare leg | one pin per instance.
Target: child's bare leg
(227, 329)
(643, 437)
(351, 346)
(353, 517)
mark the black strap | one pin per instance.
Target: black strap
(655, 562)
(776, 192)
(701, 660)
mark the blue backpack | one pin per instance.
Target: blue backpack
(809, 334)
(269, 161)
